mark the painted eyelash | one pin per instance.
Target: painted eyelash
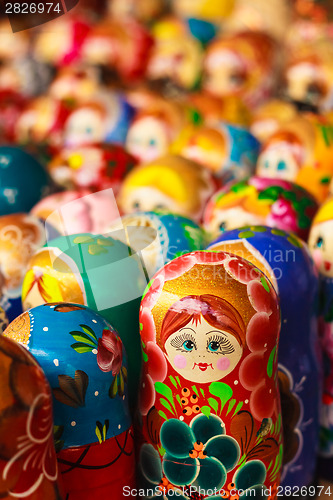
(225, 345)
(178, 341)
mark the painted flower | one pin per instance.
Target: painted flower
(109, 352)
(35, 449)
(200, 453)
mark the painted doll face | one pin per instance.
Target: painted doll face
(146, 199)
(201, 353)
(85, 126)
(147, 139)
(321, 247)
(231, 218)
(225, 73)
(279, 161)
(306, 83)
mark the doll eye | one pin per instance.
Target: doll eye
(213, 346)
(223, 226)
(314, 91)
(184, 343)
(281, 165)
(219, 344)
(237, 79)
(188, 345)
(89, 130)
(319, 242)
(160, 207)
(136, 204)
(152, 142)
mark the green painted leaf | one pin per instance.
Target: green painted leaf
(81, 348)
(113, 388)
(270, 362)
(178, 400)
(124, 372)
(213, 403)
(166, 405)
(221, 391)
(162, 414)
(165, 391)
(202, 392)
(231, 405)
(144, 356)
(173, 381)
(96, 250)
(83, 239)
(205, 410)
(81, 337)
(89, 331)
(194, 389)
(98, 431)
(238, 407)
(121, 384)
(246, 234)
(177, 378)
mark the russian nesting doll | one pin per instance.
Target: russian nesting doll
(286, 261)
(28, 463)
(260, 201)
(321, 247)
(97, 271)
(85, 363)
(210, 404)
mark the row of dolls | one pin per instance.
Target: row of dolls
(202, 340)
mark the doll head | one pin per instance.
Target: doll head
(170, 183)
(75, 83)
(270, 117)
(241, 64)
(202, 334)
(321, 239)
(261, 201)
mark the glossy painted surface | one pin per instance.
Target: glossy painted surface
(28, 464)
(209, 395)
(286, 261)
(321, 247)
(96, 271)
(160, 237)
(85, 363)
(260, 201)
(20, 236)
(23, 180)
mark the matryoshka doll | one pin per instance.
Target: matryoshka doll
(210, 403)
(321, 248)
(97, 271)
(286, 261)
(105, 118)
(301, 150)
(143, 10)
(75, 83)
(20, 236)
(271, 116)
(230, 152)
(260, 201)
(91, 166)
(85, 363)
(23, 180)
(169, 183)
(153, 130)
(28, 463)
(158, 236)
(242, 64)
(176, 56)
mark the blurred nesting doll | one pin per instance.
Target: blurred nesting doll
(169, 183)
(20, 236)
(308, 74)
(321, 247)
(260, 201)
(105, 118)
(286, 261)
(85, 363)
(243, 64)
(154, 129)
(210, 404)
(230, 152)
(271, 116)
(204, 17)
(176, 57)
(75, 83)
(23, 180)
(28, 463)
(159, 236)
(301, 150)
(99, 272)
(72, 212)
(119, 45)
(11, 104)
(91, 166)
(143, 10)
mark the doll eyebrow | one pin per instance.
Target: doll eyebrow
(219, 332)
(187, 328)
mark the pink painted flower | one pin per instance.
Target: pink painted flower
(110, 352)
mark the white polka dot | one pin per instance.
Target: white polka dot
(181, 417)
(56, 362)
(119, 426)
(265, 345)
(94, 321)
(270, 391)
(236, 382)
(246, 401)
(96, 393)
(285, 320)
(73, 424)
(45, 329)
(94, 351)
(143, 385)
(52, 307)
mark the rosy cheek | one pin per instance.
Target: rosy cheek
(317, 257)
(179, 361)
(223, 363)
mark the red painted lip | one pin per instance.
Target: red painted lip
(203, 366)
(327, 265)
